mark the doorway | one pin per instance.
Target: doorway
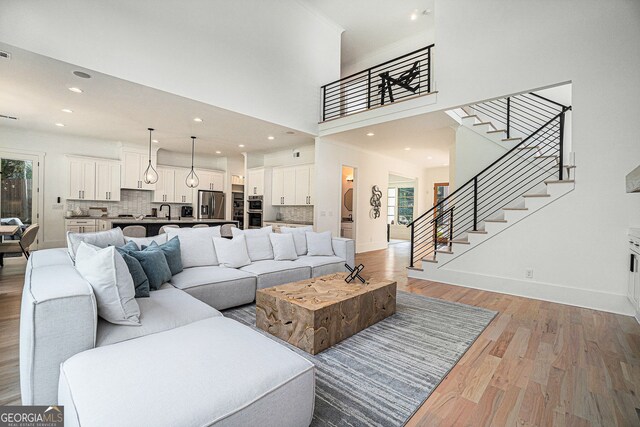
(19, 201)
(347, 203)
(401, 195)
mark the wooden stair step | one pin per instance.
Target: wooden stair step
(444, 251)
(537, 195)
(496, 131)
(495, 220)
(470, 116)
(430, 260)
(511, 139)
(545, 157)
(477, 232)
(483, 123)
(558, 181)
(535, 147)
(415, 268)
(515, 209)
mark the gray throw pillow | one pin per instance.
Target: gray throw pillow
(140, 279)
(155, 267)
(171, 251)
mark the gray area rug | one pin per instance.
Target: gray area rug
(381, 376)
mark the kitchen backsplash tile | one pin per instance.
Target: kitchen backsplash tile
(295, 213)
(132, 202)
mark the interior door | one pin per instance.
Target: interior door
(19, 201)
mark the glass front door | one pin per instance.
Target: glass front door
(18, 190)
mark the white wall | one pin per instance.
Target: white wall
(263, 59)
(579, 243)
(285, 157)
(473, 153)
(371, 169)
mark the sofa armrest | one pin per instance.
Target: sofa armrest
(345, 249)
(58, 318)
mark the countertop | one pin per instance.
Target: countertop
(288, 222)
(148, 220)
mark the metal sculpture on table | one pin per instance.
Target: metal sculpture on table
(403, 80)
(376, 204)
(355, 273)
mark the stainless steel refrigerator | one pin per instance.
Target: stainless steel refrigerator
(210, 204)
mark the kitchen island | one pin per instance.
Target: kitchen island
(152, 224)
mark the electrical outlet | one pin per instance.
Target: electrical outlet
(323, 213)
(528, 273)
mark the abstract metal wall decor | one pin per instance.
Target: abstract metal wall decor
(376, 204)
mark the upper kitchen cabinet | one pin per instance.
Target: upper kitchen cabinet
(82, 178)
(108, 181)
(183, 193)
(293, 186)
(210, 180)
(255, 182)
(165, 187)
(134, 163)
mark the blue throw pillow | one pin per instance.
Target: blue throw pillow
(155, 266)
(171, 251)
(140, 280)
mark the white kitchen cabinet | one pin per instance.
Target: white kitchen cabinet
(346, 230)
(82, 178)
(134, 165)
(210, 180)
(183, 193)
(81, 225)
(292, 186)
(165, 187)
(255, 182)
(107, 181)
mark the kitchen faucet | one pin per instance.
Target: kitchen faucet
(169, 206)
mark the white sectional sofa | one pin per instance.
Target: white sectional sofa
(198, 364)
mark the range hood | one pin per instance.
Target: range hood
(633, 181)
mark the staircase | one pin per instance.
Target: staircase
(530, 175)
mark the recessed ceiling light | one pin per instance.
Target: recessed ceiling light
(241, 145)
(66, 110)
(370, 134)
(407, 149)
(271, 138)
(75, 89)
(218, 152)
(197, 119)
(429, 157)
(155, 140)
(414, 15)
(82, 74)
(60, 125)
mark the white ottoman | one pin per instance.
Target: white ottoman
(212, 372)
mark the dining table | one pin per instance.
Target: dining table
(9, 230)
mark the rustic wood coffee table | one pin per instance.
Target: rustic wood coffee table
(317, 313)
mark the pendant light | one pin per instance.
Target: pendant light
(192, 179)
(150, 174)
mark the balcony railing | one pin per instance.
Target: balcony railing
(400, 78)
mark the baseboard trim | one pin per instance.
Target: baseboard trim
(597, 300)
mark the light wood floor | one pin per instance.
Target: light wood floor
(536, 364)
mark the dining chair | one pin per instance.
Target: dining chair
(200, 226)
(134, 231)
(163, 229)
(225, 230)
(19, 246)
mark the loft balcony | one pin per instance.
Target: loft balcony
(399, 79)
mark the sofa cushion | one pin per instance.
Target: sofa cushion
(108, 274)
(101, 239)
(171, 251)
(146, 241)
(155, 267)
(319, 244)
(140, 279)
(299, 237)
(196, 245)
(164, 309)
(321, 265)
(259, 246)
(284, 248)
(215, 372)
(272, 273)
(232, 253)
(220, 287)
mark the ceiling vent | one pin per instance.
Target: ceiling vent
(2, 116)
(5, 55)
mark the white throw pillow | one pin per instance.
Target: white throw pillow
(284, 249)
(146, 241)
(196, 246)
(299, 237)
(101, 239)
(319, 244)
(258, 243)
(232, 253)
(107, 273)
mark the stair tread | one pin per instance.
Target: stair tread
(537, 195)
(415, 268)
(535, 147)
(477, 231)
(444, 251)
(558, 181)
(462, 242)
(496, 131)
(470, 116)
(495, 220)
(545, 157)
(430, 260)
(511, 139)
(515, 209)
(483, 123)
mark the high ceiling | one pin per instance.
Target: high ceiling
(35, 90)
(372, 24)
(424, 140)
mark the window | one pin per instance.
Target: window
(391, 206)
(400, 205)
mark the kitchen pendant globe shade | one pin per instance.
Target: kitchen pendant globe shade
(192, 179)
(150, 175)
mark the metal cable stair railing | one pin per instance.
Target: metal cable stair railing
(538, 157)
